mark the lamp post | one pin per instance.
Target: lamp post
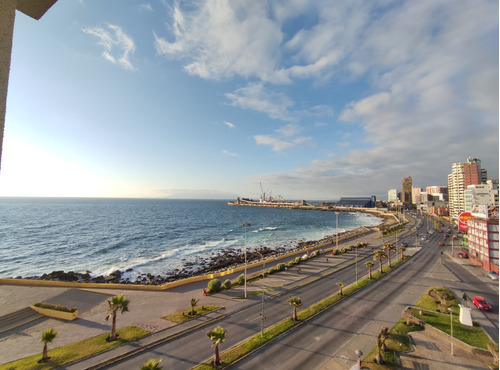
(262, 317)
(337, 228)
(245, 225)
(451, 328)
(356, 247)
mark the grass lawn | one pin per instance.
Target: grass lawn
(399, 342)
(185, 315)
(77, 351)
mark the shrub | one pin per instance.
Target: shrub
(289, 264)
(351, 247)
(270, 271)
(53, 306)
(227, 284)
(343, 250)
(280, 267)
(214, 285)
(241, 279)
(335, 252)
(296, 260)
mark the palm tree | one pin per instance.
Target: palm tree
(389, 247)
(379, 255)
(401, 249)
(217, 336)
(47, 337)
(381, 346)
(295, 302)
(117, 303)
(152, 365)
(369, 264)
(193, 305)
(340, 284)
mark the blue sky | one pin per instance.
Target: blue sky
(208, 99)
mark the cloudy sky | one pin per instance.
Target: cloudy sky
(210, 99)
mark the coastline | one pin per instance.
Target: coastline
(219, 264)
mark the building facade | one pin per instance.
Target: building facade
(406, 190)
(462, 175)
(483, 243)
(392, 195)
(479, 196)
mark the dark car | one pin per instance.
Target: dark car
(481, 303)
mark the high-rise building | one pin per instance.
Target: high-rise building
(462, 175)
(392, 195)
(406, 190)
(416, 195)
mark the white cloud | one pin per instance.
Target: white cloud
(229, 154)
(229, 124)
(146, 7)
(257, 97)
(117, 45)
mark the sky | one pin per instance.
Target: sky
(311, 100)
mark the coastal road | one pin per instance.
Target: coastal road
(330, 339)
(193, 348)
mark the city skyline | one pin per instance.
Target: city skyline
(312, 100)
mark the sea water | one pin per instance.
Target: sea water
(40, 235)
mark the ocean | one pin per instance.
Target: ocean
(156, 236)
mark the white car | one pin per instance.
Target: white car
(493, 275)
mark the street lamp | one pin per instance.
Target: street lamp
(451, 328)
(245, 225)
(262, 317)
(356, 247)
(337, 229)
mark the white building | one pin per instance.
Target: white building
(483, 243)
(392, 195)
(479, 196)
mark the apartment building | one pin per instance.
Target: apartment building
(406, 190)
(483, 242)
(462, 175)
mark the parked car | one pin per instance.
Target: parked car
(493, 275)
(440, 230)
(454, 237)
(441, 244)
(462, 255)
(481, 303)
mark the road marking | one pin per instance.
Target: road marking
(442, 278)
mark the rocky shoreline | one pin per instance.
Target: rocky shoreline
(221, 261)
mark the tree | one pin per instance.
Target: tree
(381, 346)
(369, 264)
(401, 249)
(47, 337)
(341, 285)
(193, 305)
(116, 303)
(294, 302)
(218, 335)
(379, 255)
(389, 247)
(152, 365)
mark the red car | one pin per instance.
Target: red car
(481, 303)
(441, 244)
(462, 255)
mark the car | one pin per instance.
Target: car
(441, 244)
(493, 275)
(481, 303)
(454, 237)
(440, 230)
(462, 255)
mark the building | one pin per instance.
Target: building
(462, 175)
(416, 195)
(32, 8)
(392, 195)
(479, 196)
(406, 191)
(438, 192)
(483, 243)
(362, 202)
